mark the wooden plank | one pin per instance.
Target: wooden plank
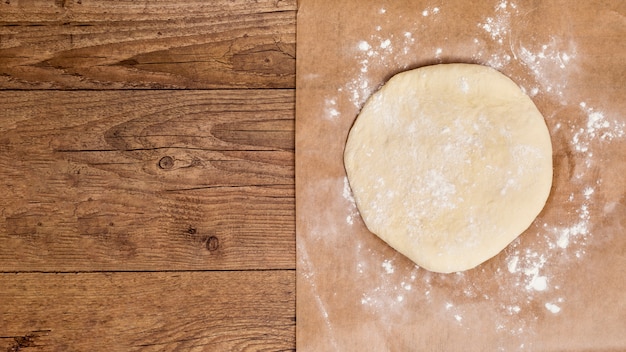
(147, 180)
(147, 44)
(181, 311)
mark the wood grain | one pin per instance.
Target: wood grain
(134, 217)
(147, 180)
(182, 311)
(147, 44)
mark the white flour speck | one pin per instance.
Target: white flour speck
(563, 240)
(364, 46)
(538, 283)
(388, 266)
(552, 307)
(512, 263)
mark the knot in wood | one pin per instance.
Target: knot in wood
(212, 244)
(166, 162)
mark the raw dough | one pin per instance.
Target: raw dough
(449, 164)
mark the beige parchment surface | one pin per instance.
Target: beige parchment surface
(561, 284)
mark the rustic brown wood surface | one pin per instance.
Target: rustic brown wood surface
(145, 180)
(147, 175)
(147, 44)
(180, 311)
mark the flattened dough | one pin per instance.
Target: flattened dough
(448, 164)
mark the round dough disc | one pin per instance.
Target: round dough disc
(448, 164)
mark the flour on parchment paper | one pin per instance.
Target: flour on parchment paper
(347, 195)
(382, 50)
(527, 276)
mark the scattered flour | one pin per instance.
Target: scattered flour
(597, 126)
(548, 65)
(353, 211)
(430, 11)
(388, 266)
(497, 28)
(386, 292)
(330, 109)
(527, 266)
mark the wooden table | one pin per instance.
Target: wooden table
(147, 175)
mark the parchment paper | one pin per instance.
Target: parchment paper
(561, 284)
